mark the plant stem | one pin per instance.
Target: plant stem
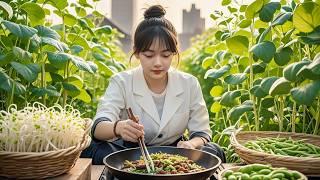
(293, 117)
(256, 117)
(281, 107)
(315, 131)
(304, 119)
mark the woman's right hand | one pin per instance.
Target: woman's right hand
(130, 130)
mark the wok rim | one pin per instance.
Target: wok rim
(162, 175)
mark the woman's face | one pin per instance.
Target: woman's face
(156, 60)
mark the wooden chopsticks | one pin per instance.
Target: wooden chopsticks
(144, 151)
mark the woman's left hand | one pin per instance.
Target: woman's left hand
(186, 144)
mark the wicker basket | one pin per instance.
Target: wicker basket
(236, 168)
(306, 165)
(32, 165)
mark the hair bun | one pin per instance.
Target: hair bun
(156, 11)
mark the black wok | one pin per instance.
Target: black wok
(114, 163)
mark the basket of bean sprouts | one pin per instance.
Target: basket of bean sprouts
(296, 151)
(41, 142)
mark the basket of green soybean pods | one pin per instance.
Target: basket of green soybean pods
(260, 172)
(296, 151)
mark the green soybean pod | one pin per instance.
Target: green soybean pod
(232, 177)
(265, 171)
(228, 173)
(278, 175)
(257, 177)
(245, 177)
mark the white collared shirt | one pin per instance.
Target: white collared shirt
(184, 106)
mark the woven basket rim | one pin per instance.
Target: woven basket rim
(237, 167)
(235, 143)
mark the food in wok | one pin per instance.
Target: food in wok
(164, 164)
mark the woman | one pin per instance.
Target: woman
(165, 100)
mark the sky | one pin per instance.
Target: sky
(173, 8)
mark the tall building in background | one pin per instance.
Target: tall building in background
(123, 14)
(192, 24)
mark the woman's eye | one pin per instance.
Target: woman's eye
(148, 55)
(166, 55)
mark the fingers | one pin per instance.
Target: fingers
(132, 131)
(185, 144)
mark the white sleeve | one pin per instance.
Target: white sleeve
(112, 102)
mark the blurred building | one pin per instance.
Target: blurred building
(123, 13)
(192, 25)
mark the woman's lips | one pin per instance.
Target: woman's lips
(156, 71)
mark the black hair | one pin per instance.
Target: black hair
(155, 25)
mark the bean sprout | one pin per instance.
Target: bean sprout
(37, 128)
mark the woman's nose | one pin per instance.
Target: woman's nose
(157, 61)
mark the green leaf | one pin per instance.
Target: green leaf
(81, 11)
(47, 32)
(75, 80)
(257, 91)
(215, 107)
(21, 54)
(72, 90)
(236, 112)
(83, 96)
(264, 51)
(291, 71)
(266, 83)
(267, 102)
(69, 20)
(217, 73)
(267, 11)
(235, 78)
(58, 60)
(49, 91)
(257, 68)
(280, 87)
(76, 39)
(19, 30)
(106, 29)
(253, 9)
(81, 63)
(306, 16)
(59, 4)
(35, 13)
(244, 23)
(76, 49)
(216, 91)
(225, 2)
(238, 44)
(7, 84)
(306, 94)
(6, 58)
(85, 26)
(60, 46)
(207, 62)
(283, 56)
(229, 98)
(7, 8)
(27, 71)
(312, 38)
(105, 52)
(93, 66)
(281, 18)
(85, 4)
(104, 69)
(314, 66)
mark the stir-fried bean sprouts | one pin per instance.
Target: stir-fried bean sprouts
(164, 164)
(37, 128)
